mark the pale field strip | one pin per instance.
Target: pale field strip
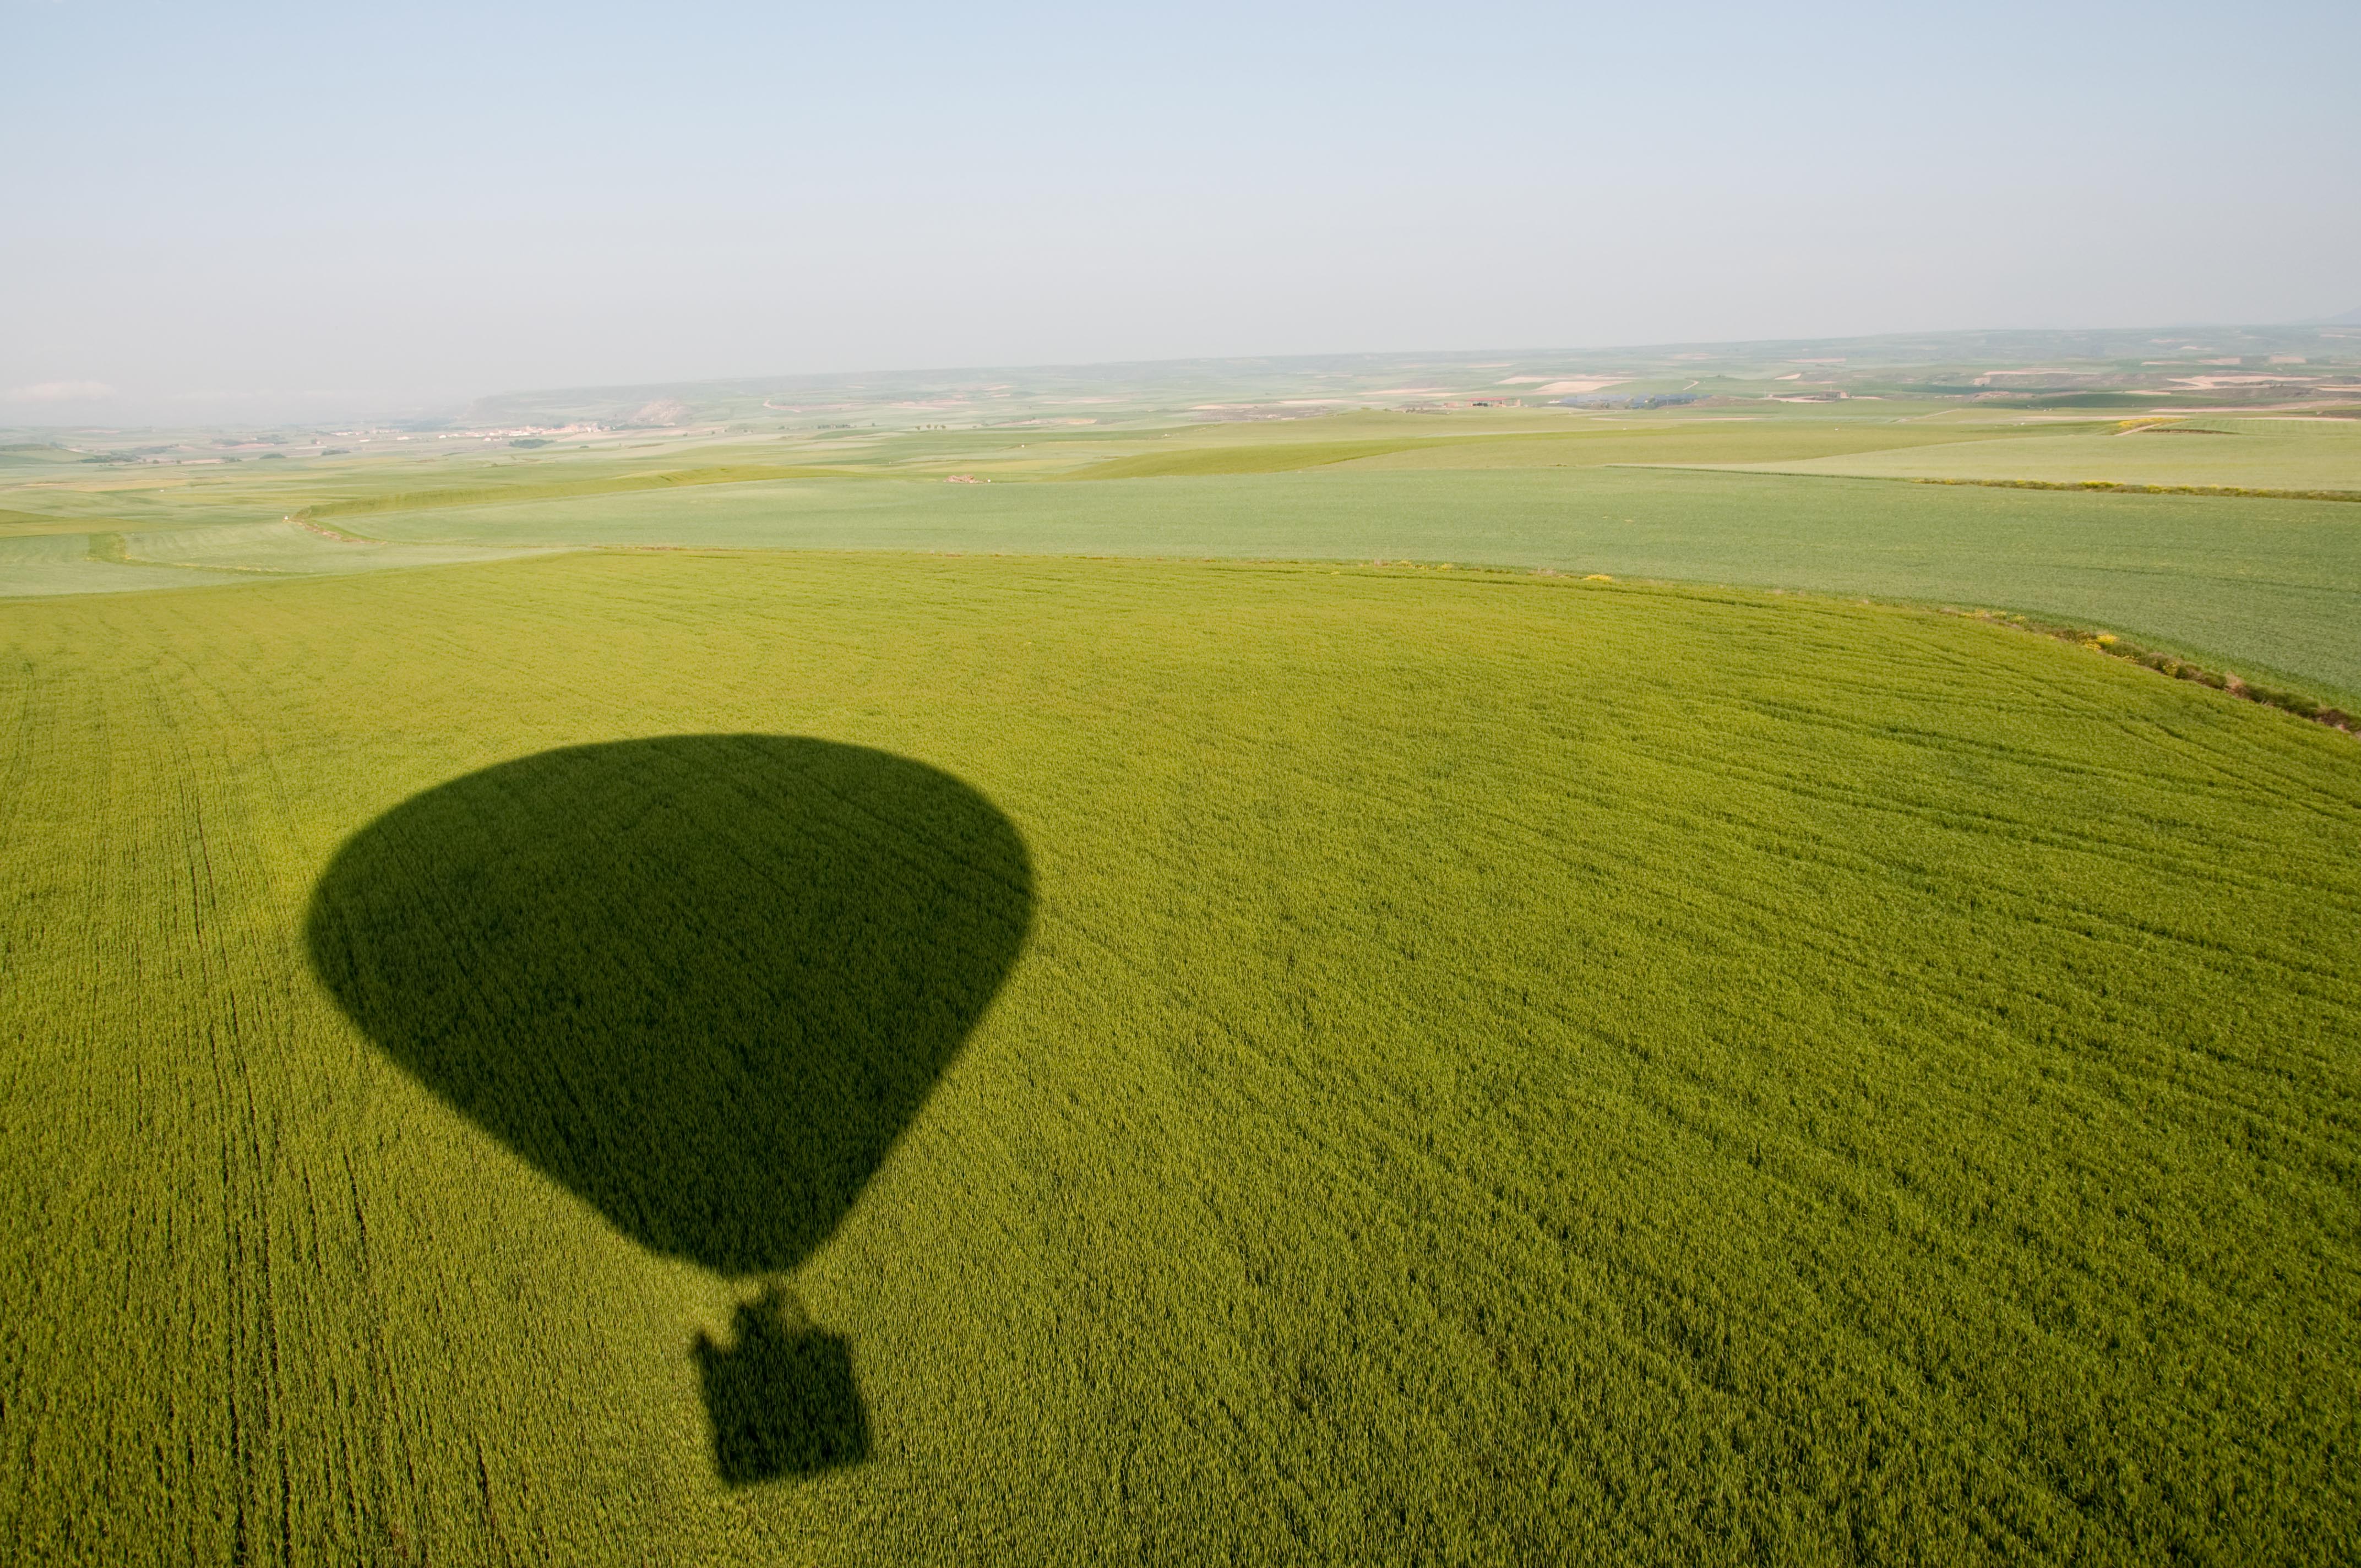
(2312, 458)
(44, 564)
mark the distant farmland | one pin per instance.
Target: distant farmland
(2263, 585)
(1264, 1062)
(2267, 587)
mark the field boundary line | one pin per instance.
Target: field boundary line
(2172, 664)
(341, 535)
(114, 550)
(2079, 486)
(560, 489)
(1177, 462)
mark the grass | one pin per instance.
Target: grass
(1730, 440)
(2270, 589)
(2266, 588)
(290, 548)
(2285, 455)
(1494, 1067)
(36, 565)
(529, 486)
(62, 494)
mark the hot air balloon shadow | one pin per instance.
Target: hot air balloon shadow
(702, 981)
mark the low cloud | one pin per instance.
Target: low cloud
(59, 392)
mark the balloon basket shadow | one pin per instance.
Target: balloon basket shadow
(782, 1397)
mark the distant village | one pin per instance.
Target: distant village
(232, 449)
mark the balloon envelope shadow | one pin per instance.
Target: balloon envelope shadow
(703, 981)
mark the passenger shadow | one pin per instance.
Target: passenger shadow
(702, 981)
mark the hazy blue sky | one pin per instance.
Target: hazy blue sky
(226, 211)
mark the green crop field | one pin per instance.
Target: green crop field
(43, 564)
(2284, 453)
(2267, 587)
(1604, 441)
(2262, 586)
(707, 1056)
(1107, 985)
(290, 549)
